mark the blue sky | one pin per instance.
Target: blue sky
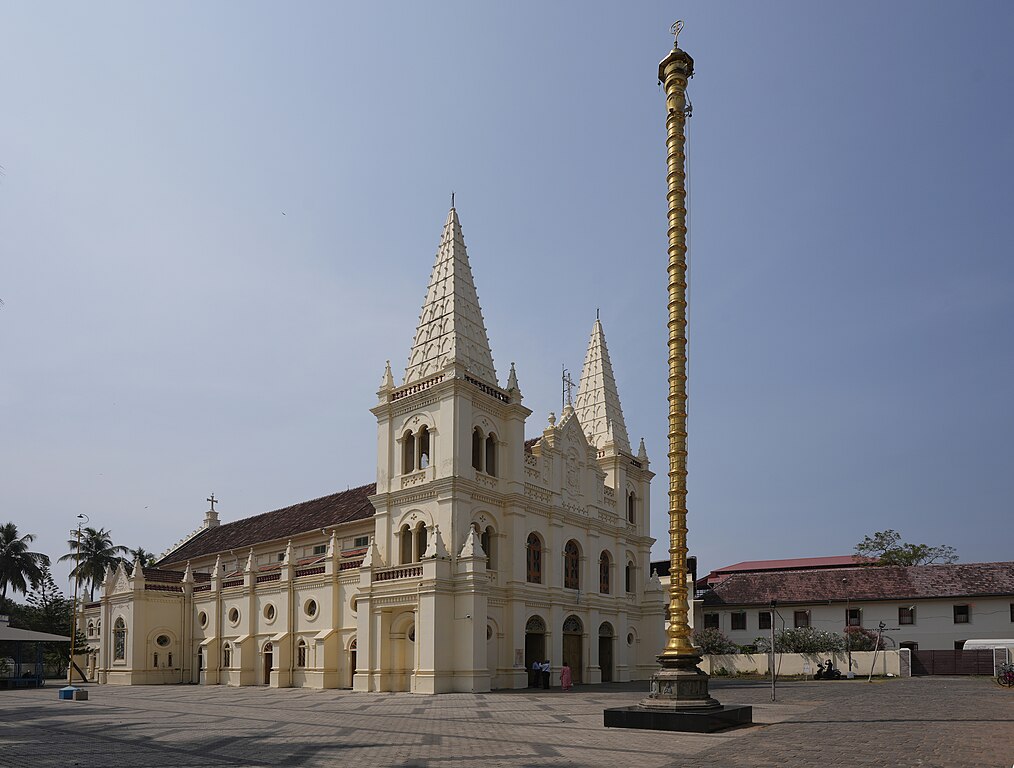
(168, 332)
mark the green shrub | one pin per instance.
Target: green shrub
(803, 640)
(712, 641)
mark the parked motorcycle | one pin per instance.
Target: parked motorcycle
(827, 673)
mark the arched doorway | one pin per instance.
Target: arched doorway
(268, 657)
(572, 652)
(606, 651)
(352, 662)
(535, 647)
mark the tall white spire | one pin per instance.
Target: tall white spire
(451, 328)
(598, 402)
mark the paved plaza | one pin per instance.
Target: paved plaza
(939, 721)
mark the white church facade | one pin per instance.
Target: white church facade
(475, 552)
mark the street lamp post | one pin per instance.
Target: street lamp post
(848, 624)
(81, 519)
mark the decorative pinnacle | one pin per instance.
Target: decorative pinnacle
(675, 30)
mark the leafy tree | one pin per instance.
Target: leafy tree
(802, 640)
(19, 568)
(887, 548)
(712, 641)
(147, 558)
(861, 639)
(96, 553)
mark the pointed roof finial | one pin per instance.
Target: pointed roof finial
(598, 402)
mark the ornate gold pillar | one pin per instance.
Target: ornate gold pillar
(679, 684)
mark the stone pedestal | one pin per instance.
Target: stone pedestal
(679, 701)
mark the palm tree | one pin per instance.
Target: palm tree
(147, 558)
(96, 553)
(19, 568)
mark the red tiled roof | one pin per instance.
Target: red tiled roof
(314, 515)
(889, 582)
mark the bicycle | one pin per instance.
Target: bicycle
(1005, 677)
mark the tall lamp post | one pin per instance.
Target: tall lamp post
(848, 624)
(81, 520)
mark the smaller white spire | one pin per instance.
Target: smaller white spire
(512, 385)
(598, 402)
(386, 381)
(472, 546)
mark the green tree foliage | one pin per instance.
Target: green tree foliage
(140, 553)
(861, 639)
(887, 548)
(19, 567)
(96, 553)
(712, 641)
(802, 640)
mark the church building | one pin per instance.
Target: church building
(475, 553)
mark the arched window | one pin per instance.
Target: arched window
(488, 541)
(534, 559)
(571, 566)
(491, 455)
(420, 541)
(604, 573)
(301, 653)
(408, 453)
(405, 544)
(477, 449)
(631, 507)
(629, 576)
(424, 447)
(119, 640)
(227, 655)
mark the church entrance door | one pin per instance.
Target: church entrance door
(268, 655)
(572, 651)
(535, 648)
(606, 652)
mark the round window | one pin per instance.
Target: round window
(310, 608)
(202, 619)
(269, 612)
(163, 640)
(234, 616)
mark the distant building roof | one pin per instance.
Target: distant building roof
(889, 582)
(13, 634)
(790, 564)
(314, 515)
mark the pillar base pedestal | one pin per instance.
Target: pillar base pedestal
(679, 701)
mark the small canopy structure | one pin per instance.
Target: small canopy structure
(19, 671)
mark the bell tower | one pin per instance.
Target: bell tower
(450, 450)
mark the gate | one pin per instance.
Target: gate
(952, 662)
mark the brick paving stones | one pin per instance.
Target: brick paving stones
(933, 721)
